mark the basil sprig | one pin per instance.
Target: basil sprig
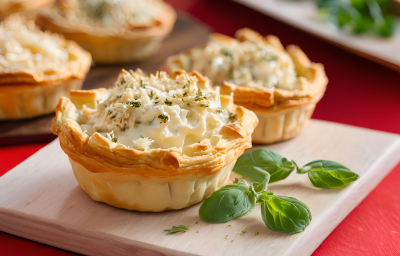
(279, 213)
(259, 163)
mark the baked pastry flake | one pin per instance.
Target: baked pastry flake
(152, 143)
(113, 31)
(36, 68)
(281, 86)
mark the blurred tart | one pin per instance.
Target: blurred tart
(281, 86)
(27, 7)
(36, 68)
(152, 143)
(113, 31)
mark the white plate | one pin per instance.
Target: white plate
(303, 15)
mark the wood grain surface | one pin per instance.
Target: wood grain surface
(187, 33)
(41, 200)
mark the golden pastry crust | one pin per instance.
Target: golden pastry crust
(8, 7)
(30, 93)
(114, 45)
(96, 157)
(268, 101)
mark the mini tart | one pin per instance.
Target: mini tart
(27, 7)
(141, 147)
(111, 42)
(36, 69)
(283, 108)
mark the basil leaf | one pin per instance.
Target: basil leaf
(228, 203)
(256, 164)
(177, 229)
(284, 214)
(329, 174)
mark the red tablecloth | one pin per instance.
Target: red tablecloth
(359, 93)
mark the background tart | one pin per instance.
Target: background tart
(36, 68)
(28, 7)
(152, 143)
(112, 31)
(282, 86)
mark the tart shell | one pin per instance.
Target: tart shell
(113, 45)
(27, 95)
(282, 113)
(156, 179)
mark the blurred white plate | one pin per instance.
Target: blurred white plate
(303, 15)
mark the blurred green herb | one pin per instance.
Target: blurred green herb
(177, 229)
(360, 16)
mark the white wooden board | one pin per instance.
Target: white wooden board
(41, 200)
(303, 15)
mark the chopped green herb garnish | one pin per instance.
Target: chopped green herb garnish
(273, 58)
(123, 80)
(142, 84)
(177, 229)
(204, 105)
(257, 233)
(114, 139)
(226, 52)
(99, 11)
(113, 116)
(232, 117)
(135, 104)
(164, 118)
(168, 103)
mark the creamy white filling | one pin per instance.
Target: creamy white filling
(246, 63)
(25, 48)
(109, 13)
(157, 112)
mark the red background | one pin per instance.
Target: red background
(359, 93)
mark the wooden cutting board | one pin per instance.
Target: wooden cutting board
(41, 200)
(187, 33)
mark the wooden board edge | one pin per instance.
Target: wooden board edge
(383, 166)
(53, 234)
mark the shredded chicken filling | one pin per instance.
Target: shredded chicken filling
(25, 48)
(109, 13)
(246, 63)
(157, 112)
